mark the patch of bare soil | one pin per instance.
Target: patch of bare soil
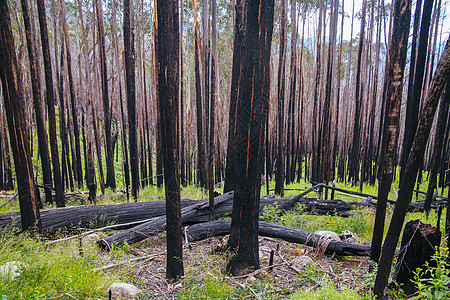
(294, 267)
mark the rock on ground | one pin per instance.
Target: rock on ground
(124, 291)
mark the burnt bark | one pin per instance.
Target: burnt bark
(57, 179)
(293, 235)
(418, 245)
(168, 85)
(15, 111)
(281, 153)
(110, 175)
(393, 82)
(252, 107)
(437, 148)
(35, 70)
(128, 34)
(409, 176)
(239, 25)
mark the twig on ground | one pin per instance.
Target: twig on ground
(112, 266)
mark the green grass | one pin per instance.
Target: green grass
(327, 293)
(50, 271)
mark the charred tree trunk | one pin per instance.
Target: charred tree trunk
(128, 34)
(395, 67)
(252, 106)
(59, 191)
(76, 160)
(110, 176)
(414, 96)
(437, 148)
(35, 70)
(281, 153)
(199, 103)
(230, 168)
(212, 107)
(410, 174)
(355, 151)
(168, 84)
(15, 110)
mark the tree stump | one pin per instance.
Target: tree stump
(418, 246)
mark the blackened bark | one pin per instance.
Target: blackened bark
(15, 110)
(281, 153)
(35, 70)
(212, 108)
(412, 108)
(110, 176)
(437, 148)
(201, 172)
(395, 68)
(415, 157)
(181, 125)
(76, 159)
(355, 154)
(128, 34)
(252, 109)
(230, 168)
(58, 184)
(168, 84)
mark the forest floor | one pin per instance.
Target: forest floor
(295, 268)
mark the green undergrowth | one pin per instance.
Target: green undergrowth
(50, 271)
(360, 222)
(327, 293)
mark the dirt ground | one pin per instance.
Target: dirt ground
(294, 267)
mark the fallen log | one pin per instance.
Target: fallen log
(222, 227)
(94, 216)
(145, 230)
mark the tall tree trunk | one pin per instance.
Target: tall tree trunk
(317, 83)
(119, 66)
(110, 176)
(412, 108)
(239, 24)
(15, 110)
(437, 147)
(76, 161)
(58, 184)
(35, 70)
(128, 34)
(212, 108)
(201, 172)
(281, 153)
(412, 165)
(168, 60)
(182, 125)
(395, 67)
(252, 106)
(355, 154)
(325, 134)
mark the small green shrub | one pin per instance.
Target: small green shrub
(433, 281)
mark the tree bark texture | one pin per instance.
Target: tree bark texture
(410, 174)
(252, 107)
(57, 179)
(35, 70)
(394, 87)
(128, 35)
(15, 111)
(168, 85)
